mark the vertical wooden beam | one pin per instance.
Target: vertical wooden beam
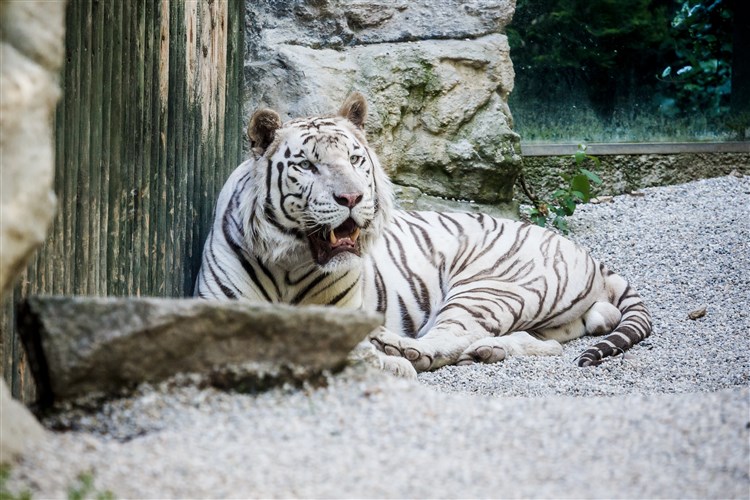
(159, 284)
(175, 130)
(148, 86)
(95, 261)
(69, 174)
(128, 153)
(106, 52)
(84, 198)
(81, 268)
(116, 133)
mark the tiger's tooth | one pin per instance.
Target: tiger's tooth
(355, 234)
(332, 237)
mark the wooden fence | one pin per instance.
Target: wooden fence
(148, 128)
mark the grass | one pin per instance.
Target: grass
(568, 122)
(82, 489)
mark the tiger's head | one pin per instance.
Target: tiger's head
(322, 195)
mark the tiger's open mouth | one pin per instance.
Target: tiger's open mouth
(326, 243)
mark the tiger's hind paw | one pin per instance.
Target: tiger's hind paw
(494, 349)
(399, 367)
(368, 353)
(421, 362)
(481, 354)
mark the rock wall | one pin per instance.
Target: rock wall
(437, 74)
(31, 50)
(626, 173)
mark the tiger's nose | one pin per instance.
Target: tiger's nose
(349, 200)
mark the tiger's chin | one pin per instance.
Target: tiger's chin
(337, 247)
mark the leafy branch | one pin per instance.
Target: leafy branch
(578, 188)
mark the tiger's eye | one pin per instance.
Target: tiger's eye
(306, 165)
(354, 159)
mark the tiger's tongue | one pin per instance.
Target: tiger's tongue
(338, 240)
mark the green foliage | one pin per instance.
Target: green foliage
(607, 70)
(6, 494)
(701, 73)
(608, 48)
(578, 188)
(83, 489)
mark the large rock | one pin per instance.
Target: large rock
(83, 345)
(18, 427)
(31, 50)
(437, 76)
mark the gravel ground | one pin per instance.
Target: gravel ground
(669, 419)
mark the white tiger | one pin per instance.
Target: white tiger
(309, 219)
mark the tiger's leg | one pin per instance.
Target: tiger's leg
(494, 349)
(599, 319)
(459, 323)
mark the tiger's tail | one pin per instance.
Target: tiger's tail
(635, 323)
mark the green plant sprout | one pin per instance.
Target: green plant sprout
(84, 489)
(578, 188)
(5, 493)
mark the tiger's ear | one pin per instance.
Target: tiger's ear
(262, 129)
(354, 109)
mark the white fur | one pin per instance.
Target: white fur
(602, 318)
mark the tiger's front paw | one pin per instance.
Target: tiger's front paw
(421, 362)
(429, 352)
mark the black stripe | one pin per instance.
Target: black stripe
(382, 300)
(407, 323)
(246, 265)
(302, 294)
(343, 294)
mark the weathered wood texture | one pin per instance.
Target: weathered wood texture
(148, 128)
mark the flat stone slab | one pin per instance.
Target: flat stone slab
(83, 345)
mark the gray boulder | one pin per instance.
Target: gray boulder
(82, 345)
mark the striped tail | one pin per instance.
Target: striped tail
(635, 325)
